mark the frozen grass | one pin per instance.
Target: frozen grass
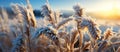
(78, 33)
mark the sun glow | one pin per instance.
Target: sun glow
(110, 10)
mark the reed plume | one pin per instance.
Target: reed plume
(18, 44)
(47, 32)
(4, 21)
(31, 14)
(107, 34)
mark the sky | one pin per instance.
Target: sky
(89, 5)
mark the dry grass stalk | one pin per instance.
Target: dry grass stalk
(57, 15)
(112, 46)
(73, 40)
(28, 39)
(81, 36)
(67, 42)
(102, 46)
(118, 50)
(86, 46)
(81, 39)
(107, 34)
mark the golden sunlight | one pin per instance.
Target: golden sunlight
(110, 10)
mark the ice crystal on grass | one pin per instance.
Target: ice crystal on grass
(18, 44)
(18, 11)
(31, 14)
(48, 13)
(49, 36)
(85, 21)
(4, 27)
(47, 32)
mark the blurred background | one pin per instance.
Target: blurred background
(106, 12)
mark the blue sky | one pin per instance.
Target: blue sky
(62, 4)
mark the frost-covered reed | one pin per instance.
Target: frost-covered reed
(18, 44)
(56, 35)
(4, 21)
(47, 32)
